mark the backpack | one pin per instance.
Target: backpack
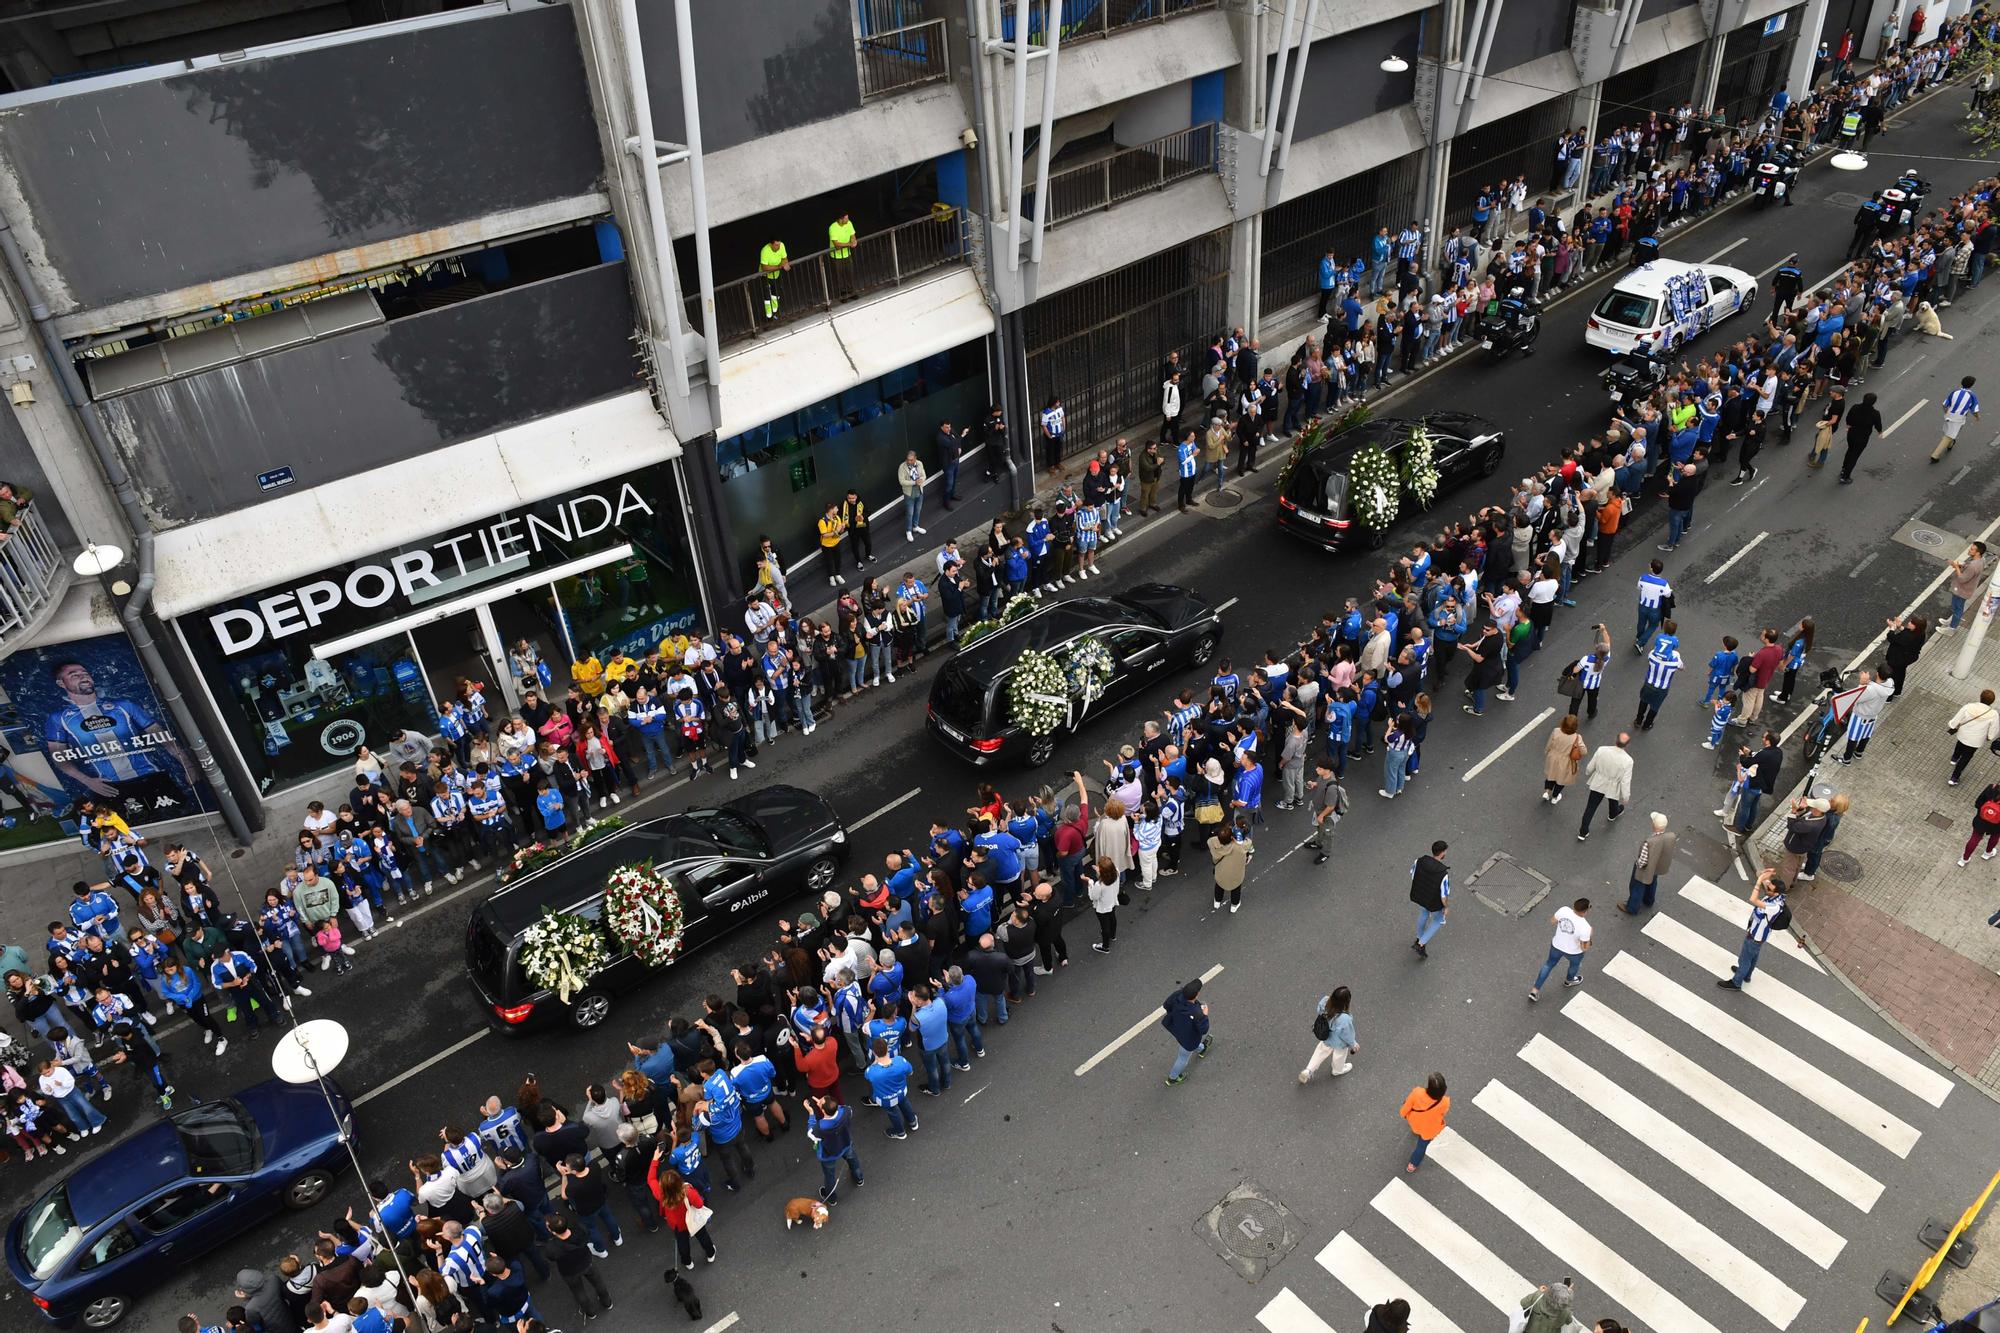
(1322, 1026)
(1340, 801)
(1989, 813)
(1783, 920)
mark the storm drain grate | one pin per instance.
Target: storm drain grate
(1509, 887)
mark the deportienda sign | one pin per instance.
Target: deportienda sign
(280, 615)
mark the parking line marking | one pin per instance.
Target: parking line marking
(1226, 605)
(1866, 561)
(1960, 475)
(1725, 249)
(1890, 429)
(1748, 547)
(871, 817)
(1138, 1027)
(417, 1069)
(1507, 744)
(727, 1321)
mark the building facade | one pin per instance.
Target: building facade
(384, 337)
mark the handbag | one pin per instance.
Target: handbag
(1570, 685)
(1517, 1322)
(1322, 1027)
(167, 935)
(1208, 813)
(647, 1125)
(697, 1218)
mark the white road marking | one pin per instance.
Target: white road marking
(1766, 1130)
(1929, 591)
(1748, 1044)
(1507, 744)
(874, 815)
(1866, 561)
(1650, 1304)
(1912, 1075)
(1682, 1233)
(420, 1067)
(1452, 1245)
(1726, 249)
(975, 1092)
(1748, 547)
(723, 1324)
(1718, 902)
(1148, 1021)
(1286, 1313)
(1912, 366)
(1755, 486)
(1922, 509)
(1370, 1279)
(1960, 475)
(1707, 1167)
(1890, 429)
(1226, 605)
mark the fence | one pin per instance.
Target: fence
(1127, 173)
(1340, 217)
(817, 282)
(1097, 18)
(903, 58)
(30, 571)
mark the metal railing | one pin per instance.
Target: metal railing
(31, 572)
(1083, 19)
(1127, 173)
(903, 58)
(818, 282)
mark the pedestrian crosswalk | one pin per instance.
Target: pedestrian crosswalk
(1696, 1165)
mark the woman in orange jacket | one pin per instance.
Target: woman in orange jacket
(1425, 1110)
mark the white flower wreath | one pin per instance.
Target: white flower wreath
(1037, 693)
(1420, 474)
(1087, 667)
(562, 951)
(1376, 489)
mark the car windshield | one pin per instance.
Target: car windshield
(1627, 308)
(219, 1138)
(49, 1233)
(732, 831)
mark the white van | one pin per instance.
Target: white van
(1662, 304)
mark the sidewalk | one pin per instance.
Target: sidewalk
(1891, 910)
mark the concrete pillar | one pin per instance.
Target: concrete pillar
(1243, 260)
(1798, 78)
(1868, 42)
(1711, 73)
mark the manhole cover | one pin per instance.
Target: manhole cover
(1939, 818)
(1508, 887)
(1934, 542)
(1841, 866)
(1224, 499)
(1845, 198)
(1249, 1230)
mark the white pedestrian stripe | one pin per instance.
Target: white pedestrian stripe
(1719, 902)
(1897, 1066)
(1650, 1304)
(1764, 1127)
(1453, 1246)
(1367, 1277)
(1702, 1163)
(1694, 1241)
(1738, 1037)
(1286, 1313)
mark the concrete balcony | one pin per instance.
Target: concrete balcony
(33, 576)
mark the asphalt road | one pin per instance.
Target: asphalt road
(1038, 1197)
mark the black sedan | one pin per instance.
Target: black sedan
(136, 1214)
(1315, 503)
(1144, 630)
(720, 864)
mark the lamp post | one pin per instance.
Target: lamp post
(308, 1054)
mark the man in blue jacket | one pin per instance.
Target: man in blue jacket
(1329, 281)
(1187, 1019)
(830, 1126)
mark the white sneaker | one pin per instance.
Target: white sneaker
(1235, 907)
(324, 963)
(909, 536)
(892, 677)
(601, 803)
(475, 863)
(1987, 856)
(301, 990)
(151, 1020)
(220, 1047)
(208, 1036)
(347, 949)
(749, 763)
(732, 775)
(428, 886)
(921, 529)
(453, 875)
(1964, 861)
(97, 1129)
(615, 799)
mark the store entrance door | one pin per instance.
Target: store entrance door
(466, 644)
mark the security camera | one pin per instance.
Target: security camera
(969, 138)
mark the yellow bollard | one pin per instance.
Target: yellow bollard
(1930, 1268)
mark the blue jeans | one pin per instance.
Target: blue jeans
(998, 1006)
(802, 702)
(937, 1069)
(877, 658)
(1746, 808)
(948, 482)
(590, 1221)
(966, 1040)
(1957, 609)
(829, 1169)
(80, 1113)
(1479, 701)
(1977, 270)
(426, 862)
(643, 1203)
(295, 949)
(1575, 961)
(1112, 515)
(1514, 656)
(902, 1116)
(1181, 1060)
(913, 511)
(1746, 960)
(1639, 895)
(1378, 274)
(1395, 770)
(1417, 1153)
(1649, 625)
(1429, 923)
(659, 758)
(1677, 524)
(857, 673)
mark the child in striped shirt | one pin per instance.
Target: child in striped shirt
(1725, 708)
(1146, 831)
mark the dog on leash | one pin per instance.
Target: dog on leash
(800, 1211)
(1927, 321)
(684, 1293)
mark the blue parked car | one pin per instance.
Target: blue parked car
(127, 1219)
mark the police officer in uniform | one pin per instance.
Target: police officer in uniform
(1785, 284)
(1867, 226)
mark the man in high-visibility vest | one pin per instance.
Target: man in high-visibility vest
(1850, 125)
(840, 250)
(772, 261)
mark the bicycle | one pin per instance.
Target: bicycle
(1831, 706)
(1986, 1319)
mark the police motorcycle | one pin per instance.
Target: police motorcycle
(1777, 177)
(1902, 204)
(1510, 323)
(1632, 377)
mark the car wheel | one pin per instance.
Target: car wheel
(307, 1189)
(1204, 648)
(1041, 749)
(589, 1009)
(1490, 464)
(821, 874)
(104, 1311)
